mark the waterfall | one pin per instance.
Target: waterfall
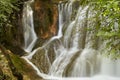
(29, 33)
(77, 51)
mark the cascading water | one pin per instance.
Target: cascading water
(77, 51)
(29, 33)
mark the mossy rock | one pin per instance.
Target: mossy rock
(20, 67)
(23, 67)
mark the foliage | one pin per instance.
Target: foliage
(109, 30)
(7, 7)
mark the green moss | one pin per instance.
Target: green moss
(23, 67)
(17, 62)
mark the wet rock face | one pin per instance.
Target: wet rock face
(43, 58)
(45, 18)
(41, 61)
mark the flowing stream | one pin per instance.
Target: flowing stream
(77, 51)
(29, 33)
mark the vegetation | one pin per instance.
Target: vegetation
(109, 28)
(7, 8)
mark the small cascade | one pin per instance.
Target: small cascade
(76, 49)
(29, 33)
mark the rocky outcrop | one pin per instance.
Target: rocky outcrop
(12, 67)
(46, 26)
(45, 18)
(43, 58)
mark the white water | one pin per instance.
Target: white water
(29, 33)
(75, 53)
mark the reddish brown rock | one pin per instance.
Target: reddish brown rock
(45, 18)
